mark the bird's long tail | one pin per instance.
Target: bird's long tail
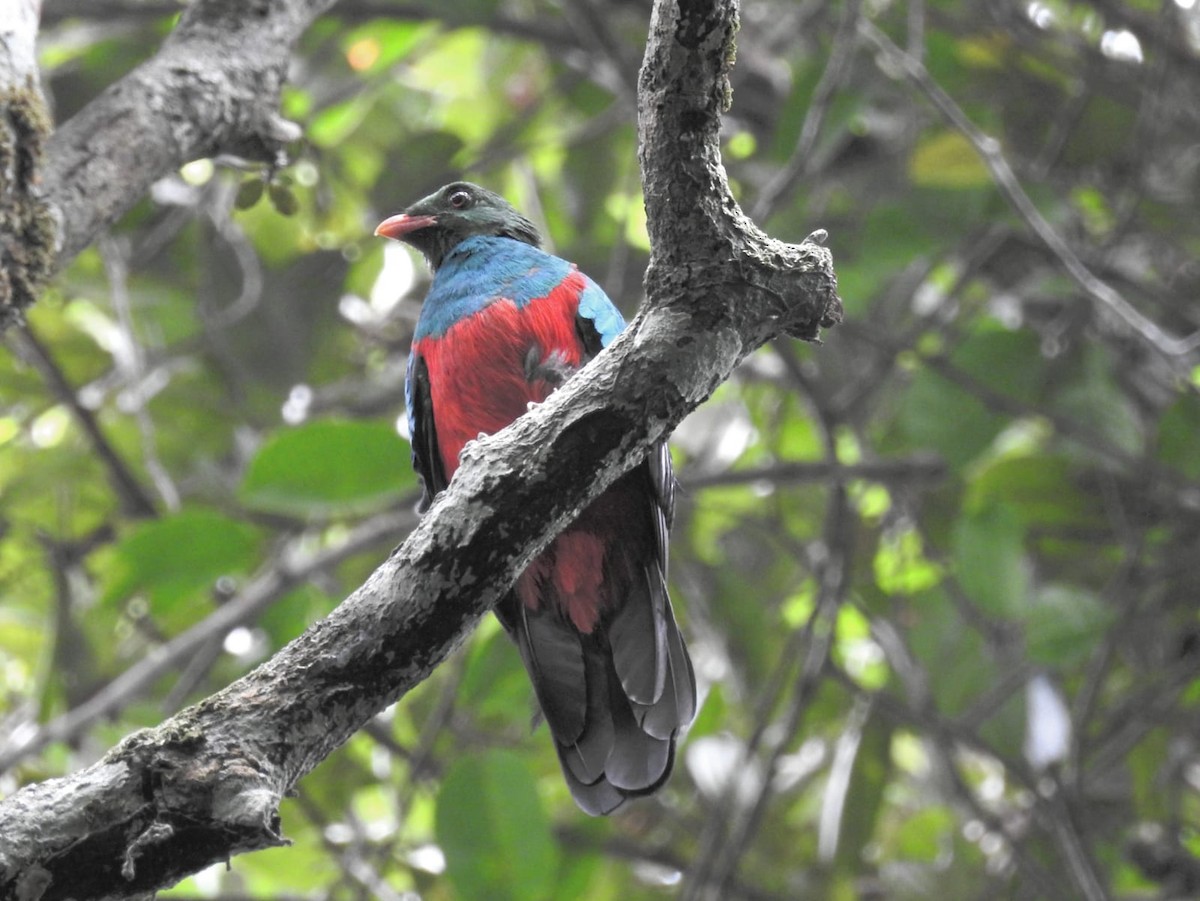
(616, 698)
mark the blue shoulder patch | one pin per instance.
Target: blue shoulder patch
(479, 270)
(595, 305)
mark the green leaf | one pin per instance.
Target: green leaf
(938, 415)
(944, 645)
(1095, 399)
(1063, 624)
(283, 199)
(1146, 763)
(989, 557)
(328, 467)
(249, 193)
(872, 770)
(900, 564)
(1177, 432)
(988, 50)
(494, 683)
(924, 835)
(947, 160)
(1042, 489)
(1007, 361)
(174, 558)
(892, 237)
(335, 124)
(390, 42)
(493, 831)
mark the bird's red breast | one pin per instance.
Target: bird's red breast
(479, 383)
(478, 368)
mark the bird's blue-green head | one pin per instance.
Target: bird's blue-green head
(436, 224)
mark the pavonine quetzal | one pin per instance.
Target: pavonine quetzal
(503, 325)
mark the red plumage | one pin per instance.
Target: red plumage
(478, 384)
(477, 369)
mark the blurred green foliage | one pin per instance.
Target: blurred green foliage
(982, 479)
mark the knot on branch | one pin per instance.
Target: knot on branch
(267, 139)
(799, 288)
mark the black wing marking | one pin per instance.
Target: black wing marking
(589, 337)
(426, 458)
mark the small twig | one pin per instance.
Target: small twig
(248, 263)
(357, 870)
(723, 843)
(910, 470)
(834, 580)
(836, 69)
(945, 735)
(1175, 351)
(725, 837)
(636, 850)
(114, 254)
(135, 501)
(422, 761)
(943, 739)
(1129, 723)
(916, 28)
(1119, 594)
(1080, 864)
(593, 32)
(259, 594)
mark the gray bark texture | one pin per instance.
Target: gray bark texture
(206, 784)
(212, 88)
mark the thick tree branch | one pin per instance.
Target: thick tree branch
(26, 229)
(290, 568)
(207, 783)
(213, 88)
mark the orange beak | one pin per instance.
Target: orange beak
(396, 227)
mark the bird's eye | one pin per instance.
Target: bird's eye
(460, 199)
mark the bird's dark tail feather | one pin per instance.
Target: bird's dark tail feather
(615, 699)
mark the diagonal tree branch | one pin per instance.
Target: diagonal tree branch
(1178, 352)
(289, 570)
(207, 783)
(135, 500)
(213, 88)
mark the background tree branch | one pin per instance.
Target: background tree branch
(213, 88)
(207, 784)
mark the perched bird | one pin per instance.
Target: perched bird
(503, 325)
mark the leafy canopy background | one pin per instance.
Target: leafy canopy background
(939, 574)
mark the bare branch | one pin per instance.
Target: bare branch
(135, 500)
(213, 88)
(244, 607)
(1107, 300)
(837, 69)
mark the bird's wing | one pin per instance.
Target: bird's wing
(426, 458)
(649, 656)
(598, 320)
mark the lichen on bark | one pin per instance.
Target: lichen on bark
(27, 228)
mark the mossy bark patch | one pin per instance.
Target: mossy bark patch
(27, 229)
